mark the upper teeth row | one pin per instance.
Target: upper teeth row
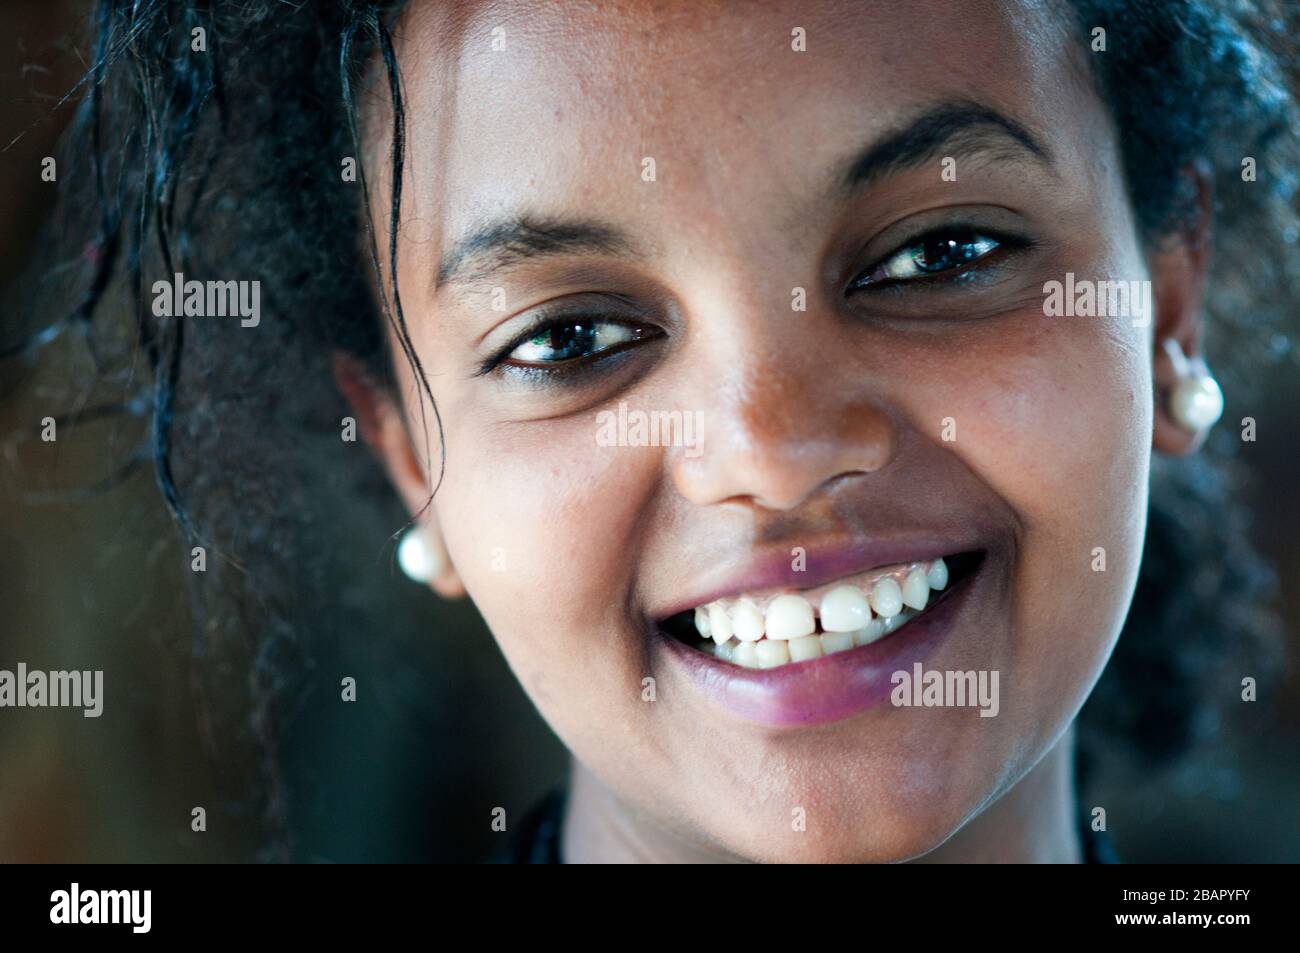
(846, 608)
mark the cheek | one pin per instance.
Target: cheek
(1058, 421)
(541, 524)
(1058, 424)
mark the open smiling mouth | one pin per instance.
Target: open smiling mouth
(775, 629)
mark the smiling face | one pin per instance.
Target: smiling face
(831, 261)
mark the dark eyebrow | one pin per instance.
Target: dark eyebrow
(960, 127)
(951, 127)
(500, 244)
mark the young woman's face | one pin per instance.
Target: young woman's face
(822, 234)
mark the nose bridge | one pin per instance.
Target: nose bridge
(787, 411)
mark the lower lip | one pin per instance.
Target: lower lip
(827, 689)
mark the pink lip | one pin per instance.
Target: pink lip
(829, 688)
(822, 565)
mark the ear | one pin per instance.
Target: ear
(383, 428)
(1178, 275)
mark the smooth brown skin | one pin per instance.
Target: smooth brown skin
(807, 413)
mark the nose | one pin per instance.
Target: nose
(780, 430)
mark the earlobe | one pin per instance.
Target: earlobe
(383, 428)
(1188, 400)
(1192, 402)
(422, 556)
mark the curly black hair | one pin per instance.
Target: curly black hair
(229, 162)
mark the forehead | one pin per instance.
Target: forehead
(555, 107)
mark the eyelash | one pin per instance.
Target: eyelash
(571, 367)
(548, 324)
(970, 235)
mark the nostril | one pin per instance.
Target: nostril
(780, 463)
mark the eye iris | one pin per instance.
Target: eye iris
(941, 254)
(566, 341)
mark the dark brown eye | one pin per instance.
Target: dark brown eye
(932, 254)
(574, 339)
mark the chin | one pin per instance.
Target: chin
(866, 833)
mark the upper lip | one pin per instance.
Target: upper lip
(775, 567)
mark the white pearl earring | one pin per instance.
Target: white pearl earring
(416, 557)
(1196, 401)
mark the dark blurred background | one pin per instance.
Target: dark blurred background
(441, 733)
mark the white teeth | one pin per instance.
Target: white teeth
(789, 617)
(916, 589)
(938, 574)
(770, 653)
(754, 632)
(745, 655)
(833, 642)
(872, 632)
(805, 647)
(773, 653)
(747, 621)
(719, 624)
(886, 597)
(845, 609)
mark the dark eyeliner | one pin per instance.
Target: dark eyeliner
(545, 322)
(1007, 242)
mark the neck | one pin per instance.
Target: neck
(1033, 822)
